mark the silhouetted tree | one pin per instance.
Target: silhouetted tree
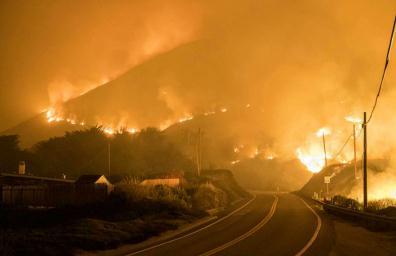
(11, 154)
(86, 151)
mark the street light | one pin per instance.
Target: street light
(322, 133)
(109, 134)
(354, 121)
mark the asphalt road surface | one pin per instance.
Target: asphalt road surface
(269, 224)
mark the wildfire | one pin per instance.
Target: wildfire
(270, 157)
(323, 131)
(314, 162)
(209, 113)
(235, 162)
(186, 118)
(52, 116)
(313, 156)
(223, 110)
(108, 130)
(254, 153)
(353, 119)
(132, 130)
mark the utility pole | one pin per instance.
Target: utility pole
(198, 152)
(324, 148)
(109, 156)
(364, 161)
(354, 149)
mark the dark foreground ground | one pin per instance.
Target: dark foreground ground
(291, 229)
(63, 231)
(270, 224)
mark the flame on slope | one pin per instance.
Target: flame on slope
(55, 115)
(380, 186)
(235, 162)
(186, 118)
(353, 119)
(312, 156)
(314, 161)
(108, 130)
(323, 131)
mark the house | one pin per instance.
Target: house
(29, 190)
(174, 179)
(13, 179)
(92, 188)
(116, 179)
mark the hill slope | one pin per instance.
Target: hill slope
(271, 175)
(150, 94)
(381, 179)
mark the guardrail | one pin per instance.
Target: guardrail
(370, 220)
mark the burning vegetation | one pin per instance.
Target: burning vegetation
(186, 65)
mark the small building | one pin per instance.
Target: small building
(29, 190)
(116, 179)
(92, 188)
(13, 179)
(173, 179)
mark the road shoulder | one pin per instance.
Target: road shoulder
(343, 237)
(170, 235)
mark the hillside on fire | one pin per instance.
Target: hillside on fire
(348, 182)
(145, 96)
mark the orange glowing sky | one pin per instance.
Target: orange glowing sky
(299, 65)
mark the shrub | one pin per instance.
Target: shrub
(345, 202)
(208, 197)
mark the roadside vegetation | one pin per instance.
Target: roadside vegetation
(86, 152)
(385, 207)
(132, 214)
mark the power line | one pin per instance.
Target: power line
(383, 73)
(343, 146)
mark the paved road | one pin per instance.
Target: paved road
(271, 224)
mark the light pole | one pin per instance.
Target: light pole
(354, 121)
(364, 161)
(354, 150)
(322, 133)
(324, 148)
(109, 133)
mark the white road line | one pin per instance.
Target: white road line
(316, 233)
(247, 234)
(196, 231)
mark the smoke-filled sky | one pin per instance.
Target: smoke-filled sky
(54, 50)
(304, 64)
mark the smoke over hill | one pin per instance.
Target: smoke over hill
(299, 66)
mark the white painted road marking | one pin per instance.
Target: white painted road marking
(196, 231)
(316, 233)
(247, 234)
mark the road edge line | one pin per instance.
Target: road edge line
(247, 234)
(194, 232)
(316, 233)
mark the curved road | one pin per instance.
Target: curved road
(270, 224)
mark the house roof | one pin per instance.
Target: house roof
(89, 178)
(31, 177)
(165, 175)
(113, 179)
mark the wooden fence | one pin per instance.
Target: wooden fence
(51, 195)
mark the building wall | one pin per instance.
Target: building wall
(38, 195)
(173, 182)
